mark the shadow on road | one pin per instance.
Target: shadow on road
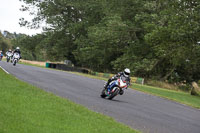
(114, 100)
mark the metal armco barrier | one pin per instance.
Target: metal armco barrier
(75, 69)
(65, 67)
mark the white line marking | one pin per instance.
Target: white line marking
(4, 70)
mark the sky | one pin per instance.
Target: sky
(10, 15)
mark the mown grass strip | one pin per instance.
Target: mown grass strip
(36, 65)
(178, 96)
(27, 109)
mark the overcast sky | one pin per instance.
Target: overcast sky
(10, 15)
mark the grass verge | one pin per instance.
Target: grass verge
(27, 109)
(24, 63)
(178, 96)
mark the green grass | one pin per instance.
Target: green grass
(24, 63)
(27, 109)
(31, 64)
(178, 96)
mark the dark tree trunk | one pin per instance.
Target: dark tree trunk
(168, 74)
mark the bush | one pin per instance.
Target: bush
(186, 88)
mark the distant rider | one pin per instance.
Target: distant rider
(9, 52)
(125, 73)
(1, 55)
(17, 50)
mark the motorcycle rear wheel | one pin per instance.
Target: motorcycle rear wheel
(114, 94)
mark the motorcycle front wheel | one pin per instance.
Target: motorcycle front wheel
(103, 94)
(14, 63)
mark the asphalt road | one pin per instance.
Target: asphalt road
(146, 113)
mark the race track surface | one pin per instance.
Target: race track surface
(146, 113)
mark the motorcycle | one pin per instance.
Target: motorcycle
(9, 57)
(114, 88)
(16, 58)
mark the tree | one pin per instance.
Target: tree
(156, 39)
(3, 44)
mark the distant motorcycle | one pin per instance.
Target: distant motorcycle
(9, 56)
(16, 58)
(114, 88)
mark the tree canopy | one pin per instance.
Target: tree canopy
(156, 39)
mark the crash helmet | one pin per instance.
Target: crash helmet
(17, 48)
(126, 72)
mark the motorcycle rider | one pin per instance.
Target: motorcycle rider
(1, 55)
(9, 51)
(17, 50)
(125, 73)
